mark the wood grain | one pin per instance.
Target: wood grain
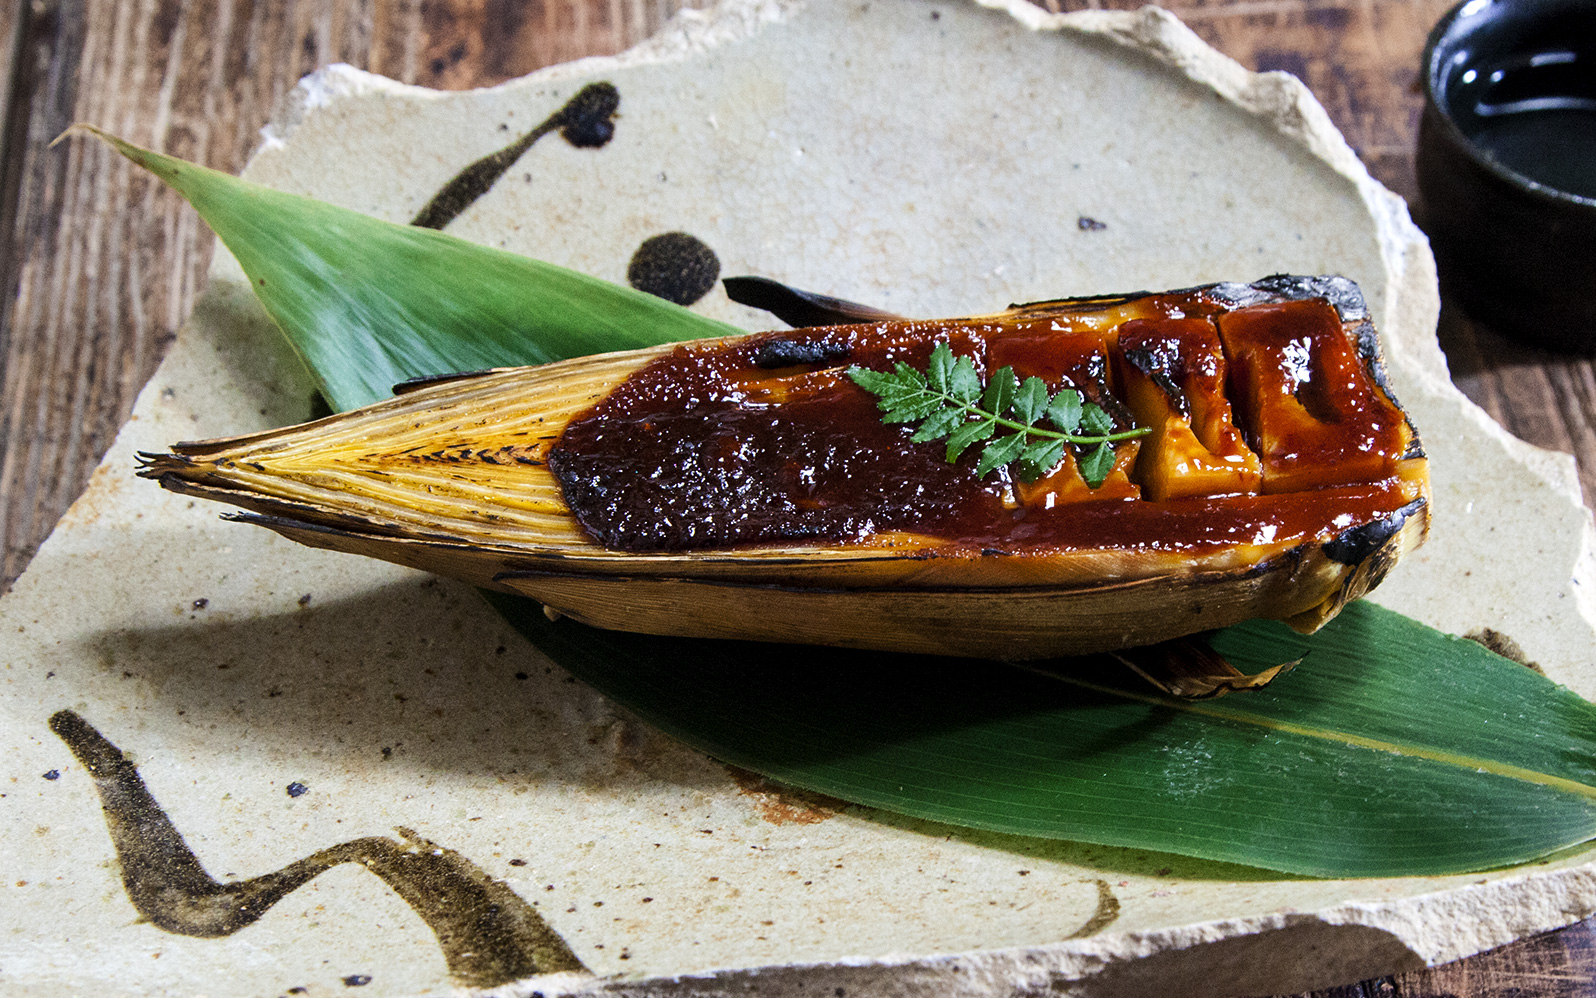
(1360, 59)
(101, 265)
(1554, 965)
(11, 22)
(1546, 398)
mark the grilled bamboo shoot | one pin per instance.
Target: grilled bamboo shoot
(748, 488)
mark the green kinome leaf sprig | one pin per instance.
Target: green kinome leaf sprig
(951, 401)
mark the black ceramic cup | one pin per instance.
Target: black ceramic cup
(1507, 165)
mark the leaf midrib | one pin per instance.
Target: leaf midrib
(1458, 760)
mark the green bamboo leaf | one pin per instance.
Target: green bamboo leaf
(1392, 750)
(368, 304)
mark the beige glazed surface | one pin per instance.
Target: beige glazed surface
(926, 158)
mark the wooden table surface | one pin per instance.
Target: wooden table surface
(101, 264)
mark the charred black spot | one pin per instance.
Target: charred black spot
(1110, 403)
(1157, 366)
(1339, 291)
(787, 353)
(674, 266)
(1356, 544)
(1369, 352)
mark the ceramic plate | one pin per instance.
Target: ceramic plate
(471, 814)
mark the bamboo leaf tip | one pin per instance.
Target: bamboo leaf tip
(78, 128)
(154, 162)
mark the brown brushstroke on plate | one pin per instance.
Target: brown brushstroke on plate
(1105, 914)
(489, 935)
(584, 121)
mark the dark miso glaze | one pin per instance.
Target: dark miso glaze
(708, 447)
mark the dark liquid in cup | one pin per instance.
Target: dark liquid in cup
(1534, 113)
